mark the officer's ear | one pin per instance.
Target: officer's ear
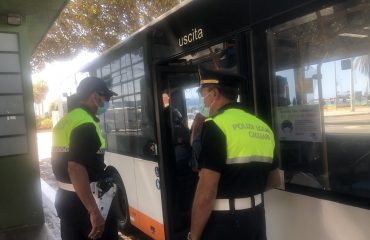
(95, 98)
(216, 92)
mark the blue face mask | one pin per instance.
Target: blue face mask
(202, 107)
(101, 110)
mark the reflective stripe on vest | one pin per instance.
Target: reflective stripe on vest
(248, 138)
(63, 130)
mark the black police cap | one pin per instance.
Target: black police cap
(219, 78)
(89, 85)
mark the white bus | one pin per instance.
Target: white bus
(294, 55)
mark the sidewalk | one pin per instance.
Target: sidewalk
(346, 111)
(48, 231)
(30, 233)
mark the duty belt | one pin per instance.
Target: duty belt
(237, 203)
(102, 199)
(66, 150)
(66, 186)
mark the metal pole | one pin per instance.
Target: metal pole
(335, 83)
(325, 164)
(368, 80)
(352, 90)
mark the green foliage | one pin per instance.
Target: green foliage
(40, 89)
(44, 123)
(96, 25)
(53, 106)
(362, 64)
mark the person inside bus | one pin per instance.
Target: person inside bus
(236, 162)
(185, 178)
(78, 160)
(178, 136)
(195, 137)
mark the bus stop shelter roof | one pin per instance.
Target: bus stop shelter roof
(38, 15)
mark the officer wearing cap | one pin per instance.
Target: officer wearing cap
(236, 164)
(78, 160)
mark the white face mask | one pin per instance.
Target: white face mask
(102, 106)
(102, 109)
(202, 107)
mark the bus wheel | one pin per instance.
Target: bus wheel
(120, 206)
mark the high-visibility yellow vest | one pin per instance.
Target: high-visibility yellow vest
(248, 138)
(63, 130)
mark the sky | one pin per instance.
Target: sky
(333, 79)
(60, 76)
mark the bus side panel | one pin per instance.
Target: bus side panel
(149, 198)
(292, 216)
(125, 167)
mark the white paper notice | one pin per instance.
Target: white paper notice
(299, 123)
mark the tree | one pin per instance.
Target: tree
(40, 89)
(53, 106)
(362, 64)
(95, 25)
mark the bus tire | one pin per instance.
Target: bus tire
(120, 205)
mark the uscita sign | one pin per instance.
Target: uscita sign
(194, 35)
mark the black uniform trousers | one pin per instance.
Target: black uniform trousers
(75, 220)
(247, 224)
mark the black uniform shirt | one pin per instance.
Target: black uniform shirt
(83, 149)
(237, 180)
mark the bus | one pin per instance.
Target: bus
(306, 68)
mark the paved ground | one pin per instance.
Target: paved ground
(49, 186)
(29, 233)
(350, 123)
(341, 111)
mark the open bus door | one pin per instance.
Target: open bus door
(178, 101)
(176, 86)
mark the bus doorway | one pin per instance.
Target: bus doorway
(177, 85)
(178, 89)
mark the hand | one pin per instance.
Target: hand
(97, 224)
(191, 237)
(199, 119)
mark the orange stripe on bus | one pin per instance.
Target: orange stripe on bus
(146, 224)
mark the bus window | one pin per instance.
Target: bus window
(128, 123)
(192, 103)
(106, 70)
(321, 99)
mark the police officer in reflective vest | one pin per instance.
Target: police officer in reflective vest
(236, 164)
(78, 160)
